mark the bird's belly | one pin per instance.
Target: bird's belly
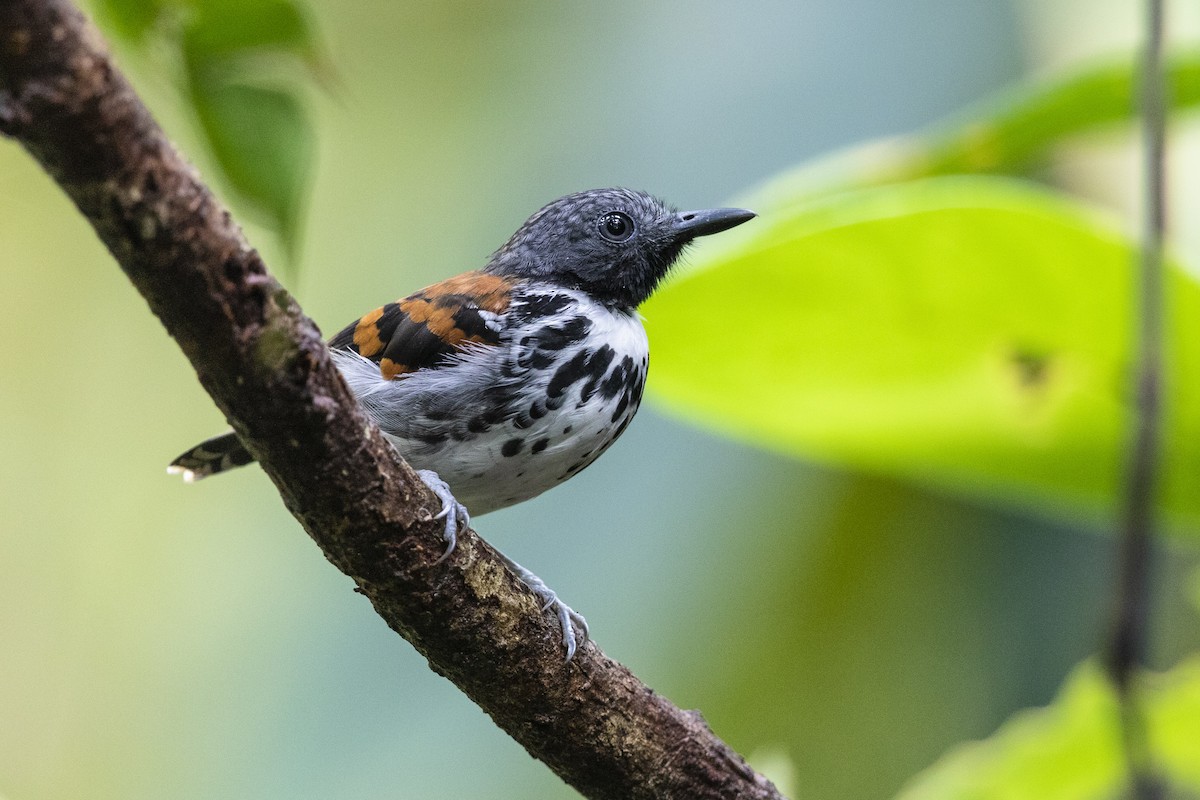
(539, 432)
(503, 425)
(509, 464)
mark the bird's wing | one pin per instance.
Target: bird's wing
(423, 328)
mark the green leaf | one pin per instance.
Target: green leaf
(239, 56)
(1071, 749)
(256, 125)
(1005, 135)
(1016, 129)
(221, 29)
(264, 143)
(969, 334)
(130, 19)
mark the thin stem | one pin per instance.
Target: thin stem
(1127, 648)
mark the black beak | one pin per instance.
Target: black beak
(690, 224)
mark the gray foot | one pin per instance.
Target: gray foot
(455, 513)
(566, 615)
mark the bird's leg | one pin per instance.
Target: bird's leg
(457, 518)
(566, 615)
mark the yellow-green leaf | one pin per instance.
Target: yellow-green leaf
(968, 333)
(1071, 749)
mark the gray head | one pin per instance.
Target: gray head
(614, 244)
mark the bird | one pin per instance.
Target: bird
(503, 382)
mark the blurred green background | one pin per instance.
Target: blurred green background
(163, 640)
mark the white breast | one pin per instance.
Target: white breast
(503, 424)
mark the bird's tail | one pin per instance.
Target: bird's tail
(211, 456)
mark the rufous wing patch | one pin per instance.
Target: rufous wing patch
(366, 333)
(390, 369)
(489, 292)
(418, 331)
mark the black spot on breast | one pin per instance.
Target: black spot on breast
(539, 360)
(493, 416)
(618, 379)
(556, 337)
(568, 429)
(596, 366)
(540, 445)
(583, 365)
(543, 305)
(622, 404)
(568, 373)
(600, 360)
(536, 411)
(631, 391)
(511, 447)
(621, 428)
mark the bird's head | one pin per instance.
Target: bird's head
(614, 244)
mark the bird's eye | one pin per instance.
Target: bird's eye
(615, 226)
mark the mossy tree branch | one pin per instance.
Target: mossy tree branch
(265, 365)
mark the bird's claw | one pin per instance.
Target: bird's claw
(454, 512)
(566, 615)
(457, 519)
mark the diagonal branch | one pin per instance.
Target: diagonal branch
(266, 367)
